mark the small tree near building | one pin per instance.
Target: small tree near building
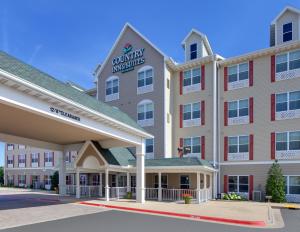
(1, 176)
(54, 180)
(275, 183)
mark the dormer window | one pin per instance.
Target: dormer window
(193, 51)
(287, 32)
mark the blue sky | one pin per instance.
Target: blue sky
(68, 38)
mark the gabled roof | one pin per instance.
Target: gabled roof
(203, 36)
(127, 25)
(29, 73)
(287, 8)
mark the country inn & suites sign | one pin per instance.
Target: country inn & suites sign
(129, 59)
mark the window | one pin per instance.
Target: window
(287, 32)
(145, 77)
(22, 160)
(68, 157)
(192, 77)
(238, 72)
(47, 180)
(68, 180)
(288, 61)
(149, 145)
(145, 113)
(292, 184)
(10, 147)
(238, 108)
(10, 161)
(96, 179)
(191, 111)
(193, 144)
(22, 180)
(21, 147)
(112, 88)
(184, 182)
(113, 181)
(83, 179)
(164, 181)
(193, 51)
(288, 141)
(238, 144)
(34, 158)
(288, 101)
(49, 159)
(133, 181)
(238, 184)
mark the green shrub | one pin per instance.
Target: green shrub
(275, 183)
(233, 197)
(54, 180)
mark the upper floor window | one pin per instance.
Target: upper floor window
(192, 144)
(191, 111)
(193, 51)
(288, 101)
(112, 88)
(287, 32)
(145, 113)
(191, 77)
(238, 144)
(10, 147)
(288, 141)
(149, 148)
(49, 159)
(10, 161)
(238, 72)
(287, 61)
(145, 80)
(238, 108)
(34, 158)
(21, 147)
(22, 160)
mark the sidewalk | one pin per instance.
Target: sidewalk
(238, 213)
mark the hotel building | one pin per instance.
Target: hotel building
(236, 115)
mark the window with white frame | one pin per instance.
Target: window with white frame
(10, 161)
(145, 80)
(112, 88)
(292, 184)
(238, 72)
(145, 113)
(238, 144)
(149, 148)
(49, 156)
(21, 147)
(287, 32)
(238, 184)
(191, 111)
(238, 108)
(22, 180)
(164, 181)
(288, 141)
(10, 147)
(122, 181)
(35, 159)
(22, 160)
(193, 51)
(191, 77)
(288, 101)
(192, 144)
(184, 182)
(288, 61)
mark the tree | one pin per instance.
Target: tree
(275, 183)
(1, 176)
(54, 180)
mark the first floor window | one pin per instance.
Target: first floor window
(96, 179)
(149, 145)
(68, 179)
(184, 182)
(286, 141)
(192, 144)
(292, 184)
(238, 183)
(164, 181)
(122, 181)
(133, 181)
(238, 144)
(22, 179)
(47, 180)
(83, 179)
(113, 180)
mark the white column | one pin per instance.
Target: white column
(62, 174)
(215, 184)
(140, 173)
(198, 189)
(128, 182)
(100, 184)
(106, 185)
(159, 187)
(77, 183)
(205, 189)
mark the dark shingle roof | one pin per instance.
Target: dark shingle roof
(37, 77)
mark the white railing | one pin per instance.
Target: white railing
(177, 194)
(71, 189)
(151, 193)
(90, 190)
(118, 192)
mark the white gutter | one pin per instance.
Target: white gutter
(70, 102)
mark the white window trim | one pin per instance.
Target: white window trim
(22, 164)
(10, 158)
(48, 163)
(193, 154)
(286, 154)
(238, 84)
(145, 122)
(113, 96)
(239, 119)
(238, 185)
(288, 114)
(145, 88)
(238, 155)
(150, 155)
(288, 185)
(10, 147)
(35, 164)
(193, 121)
(192, 87)
(288, 74)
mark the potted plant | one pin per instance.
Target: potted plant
(129, 195)
(187, 198)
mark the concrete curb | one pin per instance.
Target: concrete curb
(181, 215)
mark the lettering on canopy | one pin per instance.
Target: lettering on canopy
(63, 113)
